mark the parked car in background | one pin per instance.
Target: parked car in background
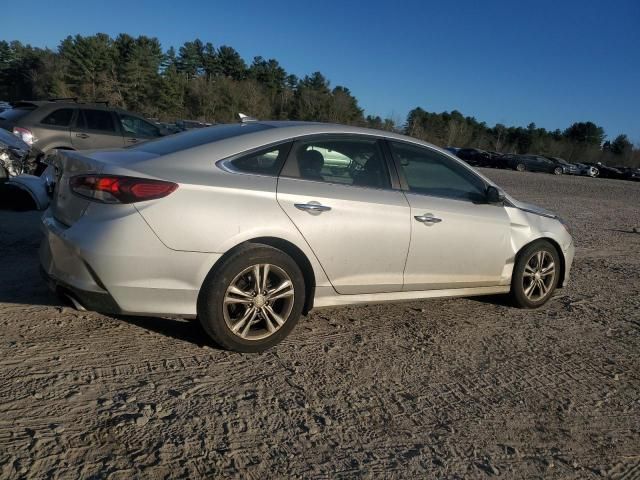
(477, 157)
(70, 125)
(606, 171)
(536, 163)
(630, 173)
(587, 170)
(453, 150)
(567, 168)
(258, 225)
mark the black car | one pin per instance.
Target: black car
(567, 168)
(630, 173)
(536, 163)
(477, 157)
(607, 171)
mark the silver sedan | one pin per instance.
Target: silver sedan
(248, 226)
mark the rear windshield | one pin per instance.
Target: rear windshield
(200, 136)
(14, 114)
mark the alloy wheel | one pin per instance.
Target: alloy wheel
(539, 275)
(258, 301)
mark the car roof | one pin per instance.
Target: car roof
(62, 104)
(295, 128)
(230, 139)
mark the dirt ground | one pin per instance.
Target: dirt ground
(460, 388)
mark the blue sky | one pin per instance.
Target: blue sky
(548, 62)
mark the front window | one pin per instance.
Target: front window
(430, 173)
(137, 127)
(352, 161)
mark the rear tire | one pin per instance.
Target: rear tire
(535, 275)
(521, 167)
(240, 310)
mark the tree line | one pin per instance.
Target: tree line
(202, 82)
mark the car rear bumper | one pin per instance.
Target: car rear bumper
(96, 301)
(116, 264)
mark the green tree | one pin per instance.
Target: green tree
(231, 63)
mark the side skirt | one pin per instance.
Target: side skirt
(327, 297)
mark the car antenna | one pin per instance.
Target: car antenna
(246, 118)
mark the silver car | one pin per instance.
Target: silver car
(247, 226)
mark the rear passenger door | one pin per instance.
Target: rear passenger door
(96, 128)
(337, 191)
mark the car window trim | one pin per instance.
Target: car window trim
(403, 180)
(222, 163)
(393, 177)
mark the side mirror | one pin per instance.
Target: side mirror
(494, 195)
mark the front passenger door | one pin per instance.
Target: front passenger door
(458, 240)
(136, 130)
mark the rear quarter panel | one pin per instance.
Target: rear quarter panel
(229, 210)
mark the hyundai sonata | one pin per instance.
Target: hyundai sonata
(247, 226)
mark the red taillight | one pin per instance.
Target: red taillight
(117, 189)
(25, 135)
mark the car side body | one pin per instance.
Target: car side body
(152, 257)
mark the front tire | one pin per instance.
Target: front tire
(521, 167)
(535, 275)
(253, 299)
(557, 171)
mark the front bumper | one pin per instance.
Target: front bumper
(569, 252)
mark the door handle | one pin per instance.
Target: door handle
(427, 218)
(132, 140)
(82, 135)
(311, 207)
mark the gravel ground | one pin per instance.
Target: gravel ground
(466, 388)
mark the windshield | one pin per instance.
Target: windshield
(14, 114)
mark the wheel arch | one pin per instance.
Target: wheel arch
(555, 245)
(290, 249)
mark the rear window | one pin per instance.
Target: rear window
(268, 161)
(15, 114)
(100, 120)
(201, 136)
(59, 118)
